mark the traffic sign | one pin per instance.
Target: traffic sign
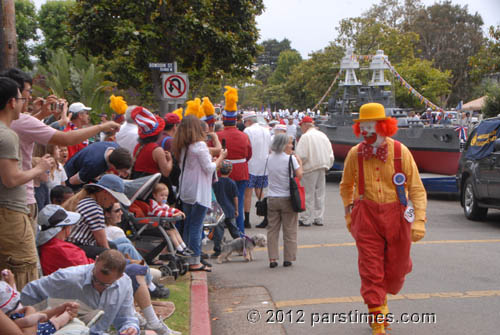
(175, 85)
(162, 67)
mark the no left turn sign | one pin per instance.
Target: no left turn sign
(175, 86)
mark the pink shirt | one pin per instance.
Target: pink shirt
(30, 131)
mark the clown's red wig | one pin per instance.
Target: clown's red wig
(387, 127)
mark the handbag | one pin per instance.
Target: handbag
(297, 191)
(261, 204)
(178, 201)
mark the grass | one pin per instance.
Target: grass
(180, 295)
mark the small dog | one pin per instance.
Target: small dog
(242, 245)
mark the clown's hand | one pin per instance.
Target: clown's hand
(347, 216)
(417, 235)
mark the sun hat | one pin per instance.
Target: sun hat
(250, 114)
(51, 220)
(77, 107)
(280, 127)
(114, 185)
(148, 123)
(371, 112)
(306, 119)
(9, 298)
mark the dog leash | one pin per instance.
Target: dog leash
(245, 238)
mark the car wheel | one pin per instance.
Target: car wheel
(472, 210)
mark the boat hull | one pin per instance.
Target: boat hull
(435, 150)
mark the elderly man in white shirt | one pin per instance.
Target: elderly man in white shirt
(315, 151)
(260, 140)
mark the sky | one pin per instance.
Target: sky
(310, 24)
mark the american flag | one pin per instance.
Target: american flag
(462, 133)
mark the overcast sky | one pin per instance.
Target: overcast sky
(310, 24)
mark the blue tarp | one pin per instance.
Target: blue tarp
(482, 143)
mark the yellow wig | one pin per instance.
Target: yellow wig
(194, 108)
(207, 107)
(231, 96)
(178, 112)
(117, 104)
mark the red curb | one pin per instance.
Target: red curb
(200, 312)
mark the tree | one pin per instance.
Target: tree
(271, 52)
(492, 106)
(487, 60)
(52, 18)
(426, 79)
(206, 37)
(287, 60)
(449, 35)
(26, 25)
(76, 79)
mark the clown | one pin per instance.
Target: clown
(385, 203)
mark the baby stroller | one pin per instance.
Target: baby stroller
(149, 233)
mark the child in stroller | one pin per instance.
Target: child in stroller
(159, 207)
(149, 233)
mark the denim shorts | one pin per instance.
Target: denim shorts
(257, 181)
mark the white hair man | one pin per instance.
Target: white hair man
(315, 151)
(260, 140)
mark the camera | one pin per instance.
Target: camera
(224, 144)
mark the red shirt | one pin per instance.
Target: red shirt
(58, 254)
(73, 149)
(145, 162)
(238, 148)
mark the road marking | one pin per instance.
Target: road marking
(353, 244)
(408, 296)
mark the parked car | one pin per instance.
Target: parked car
(478, 180)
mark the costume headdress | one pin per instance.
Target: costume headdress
(117, 104)
(230, 110)
(208, 111)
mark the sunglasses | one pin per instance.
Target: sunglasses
(110, 209)
(100, 283)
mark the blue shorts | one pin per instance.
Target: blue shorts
(44, 328)
(257, 181)
(133, 270)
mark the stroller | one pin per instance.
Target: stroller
(149, 233)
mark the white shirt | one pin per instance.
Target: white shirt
(260, 140)
(59, 177)
(315, 151)
(127, 136)
(291, 130)
(279, 176)
(114, 233)
(196, 179)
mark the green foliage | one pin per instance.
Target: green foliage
(26, 24)
(492, 106)
(271, 52)
(52, 17)
(206, 37)
(427, 80)
(487, 60)
(77, 79)
(287, 60)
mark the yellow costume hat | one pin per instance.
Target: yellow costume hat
(117, 104)
(178, 112)
(371, 112)
(194, 108)
(231, 96)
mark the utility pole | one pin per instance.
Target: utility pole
(8, 37)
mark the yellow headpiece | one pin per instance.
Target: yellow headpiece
(231, 96)
(178, 112)
(117, 104)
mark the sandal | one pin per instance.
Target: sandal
(201, 268)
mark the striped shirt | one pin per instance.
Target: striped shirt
(161, 210)
(92, 219)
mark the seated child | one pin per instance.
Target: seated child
(226, 193)
(40, 185)
(49, 321)
(159, 207)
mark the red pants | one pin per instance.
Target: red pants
(383, 239)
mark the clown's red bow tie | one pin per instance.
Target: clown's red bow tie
(368, 151)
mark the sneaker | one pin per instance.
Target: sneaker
(189, 251)
(162, 329)
(160, 293)
(182, 253)
(303, 224)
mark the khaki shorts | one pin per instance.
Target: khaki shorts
(17, 246)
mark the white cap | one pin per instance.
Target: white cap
(247, 115)
(77, 107)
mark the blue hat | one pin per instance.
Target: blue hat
(114, 185)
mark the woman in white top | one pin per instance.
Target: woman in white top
(195, 183)
(279, 207)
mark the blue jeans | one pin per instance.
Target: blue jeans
(193, 226)
(240, 220)
(125, 246)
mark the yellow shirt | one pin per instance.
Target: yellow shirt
(378, 181)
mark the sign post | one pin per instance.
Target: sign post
(172, 90)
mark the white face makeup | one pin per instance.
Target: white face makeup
(369, 133)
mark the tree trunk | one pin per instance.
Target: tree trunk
(9, 38)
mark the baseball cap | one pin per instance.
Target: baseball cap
(306, 119)
(77, 107)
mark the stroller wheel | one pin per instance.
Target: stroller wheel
(166, 271)
(182, 266)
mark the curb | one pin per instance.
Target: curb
(200, 312)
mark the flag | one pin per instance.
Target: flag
(459, 106)
(462, 133)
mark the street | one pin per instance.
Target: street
(453, 288)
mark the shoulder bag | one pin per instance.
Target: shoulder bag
(261, 204)
(297, 192)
